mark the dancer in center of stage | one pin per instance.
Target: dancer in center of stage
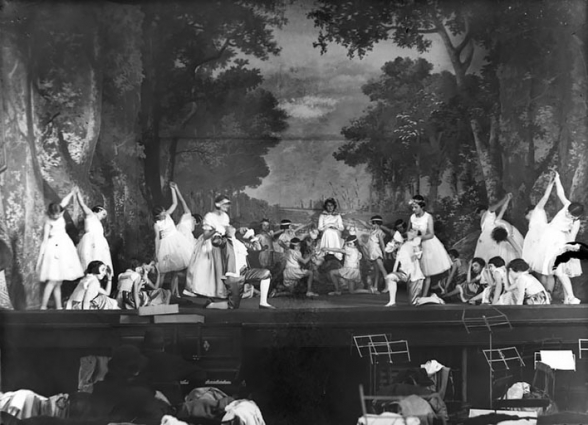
(58, 258)
(331, 224)
(172, 249)
(206, 269)
(434, 259)
(93, 245)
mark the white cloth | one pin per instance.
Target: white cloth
(531, 244)
(432, 367)
(409, 262)
(93, 245)
(331, 225)
(186, 227)
(246, 410)
(435, 259)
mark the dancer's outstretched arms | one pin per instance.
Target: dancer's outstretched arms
(174, 188)
(85, 208)
(185, 207)
(65, 201)
(545, 197)
(504, 206)
(561, 194)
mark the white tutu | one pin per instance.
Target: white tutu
(93, 245)
(532, 252)
(58, 259)
(173, 250)
(186, 227)
(434, 259)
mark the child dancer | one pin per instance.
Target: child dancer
(496, 279)
(407, 269)
(473, 284)
(375, 249)
(93, 245)
(131, 288)
(562, 229)
(508, 241)
(537, 218)
(331, 224)
(293, 271)
(172, 249)
(350, 271)
(522, 288)
(58, 258)
(89, 293)
(435, 259)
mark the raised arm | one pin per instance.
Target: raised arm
(65, 201)
(561, 194)
(185, 208)
(174, 204)
(545, 197)
(497, 205)
(504, 206)
(87, 211)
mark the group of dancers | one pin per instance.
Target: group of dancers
(506, 268)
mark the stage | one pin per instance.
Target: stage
(41, 349)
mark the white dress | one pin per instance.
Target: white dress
(435, 259)
(93, 245)
(531, 245)
(206, 269)
(58, 259)
(488, 248)
(172, 249)
(559, 231)
(331, 237)
(186, 228)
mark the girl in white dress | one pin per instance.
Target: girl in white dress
(532, 252)
(375, 252)
(522, 288)
(206, 270)
(331, 224)
(485, 245)
(187, 222)
(172, 249)
(507, 240)
(58, 257)
(89, 293)
(562, 229)
(434, 259)
(93, 245)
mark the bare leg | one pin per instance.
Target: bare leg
(383, 273)
(392, 285)
(160, 280)
(47, 291)
(57, 296)
(375, 279)
(309, 283)
(333, 275)
(548, 282)
(173, 285)
(567, 287)
(426, 286)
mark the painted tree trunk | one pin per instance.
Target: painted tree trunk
(21, 185)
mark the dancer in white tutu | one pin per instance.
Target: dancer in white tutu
(206, 269)
(434, 259)
(331, 224)
(93, 245)
(532, 252)
(508, 241)
(187, 222)
(172, 249)
(58, 257)
(562, 229)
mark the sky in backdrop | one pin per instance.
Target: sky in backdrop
(321, 94)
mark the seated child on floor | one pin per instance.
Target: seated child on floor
(135, 289)
(473, 284)
(348, 274)
(496, 278)
(91, 293)
(521, 287)
(293, 270)
(406, 267)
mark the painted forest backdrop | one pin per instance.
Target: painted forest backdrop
(118, 98)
